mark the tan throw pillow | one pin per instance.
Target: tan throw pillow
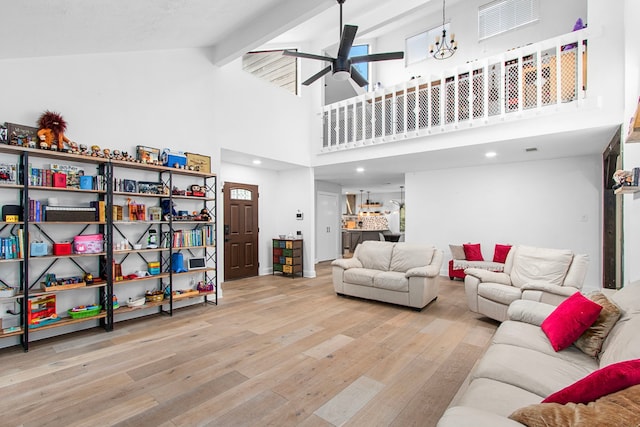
(457, 252)
(590, 342)
(613, 410)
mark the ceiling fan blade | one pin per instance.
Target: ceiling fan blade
(316, 76)
(306, 55)
(346, 41)
(358, 78)
(377, 57)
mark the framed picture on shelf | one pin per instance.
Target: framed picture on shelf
(8, 173)
(129, 186)
(148, 155)
(198, 162)
(25, 136)
(146, 187)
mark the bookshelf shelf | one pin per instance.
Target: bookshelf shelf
(627, 189)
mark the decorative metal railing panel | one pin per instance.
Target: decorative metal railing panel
(530, 78)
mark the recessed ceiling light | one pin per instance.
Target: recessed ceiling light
(360, 170)
(490, 154)
(257, 162)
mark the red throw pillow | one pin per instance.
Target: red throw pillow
(500, 253)
(472, 252)
(607, 380)
(569, 320)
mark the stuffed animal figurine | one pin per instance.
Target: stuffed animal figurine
(51, 130)
(622, 178)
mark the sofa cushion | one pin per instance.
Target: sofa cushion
(504, 398)
(499, 293)
(360, 276)
(577, 271)
(392, 281)
(613, 410)
(500, 253)
(604, 381)
(375, 255)
(472, 251)
(530, 336)
(536, 372)
(628, 299)
(590, 342)
(457, 252)
(622, 343)
(540, 265)
(406, 256)
(569, 320)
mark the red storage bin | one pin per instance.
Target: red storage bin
(63, 248)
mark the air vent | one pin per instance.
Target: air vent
(530, 149)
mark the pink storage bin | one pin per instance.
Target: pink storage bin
(88, 244)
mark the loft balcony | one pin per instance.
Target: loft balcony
(541, 78)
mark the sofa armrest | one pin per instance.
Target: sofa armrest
(531, 312)
(347, 263)
(464, 416)
(565, 291)
(426, 271)
(489, 276)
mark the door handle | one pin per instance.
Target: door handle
(226, 229)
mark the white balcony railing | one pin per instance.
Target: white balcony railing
(530, 78)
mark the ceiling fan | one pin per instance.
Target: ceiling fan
(342, 66)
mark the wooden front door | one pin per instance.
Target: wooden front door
(240, 230)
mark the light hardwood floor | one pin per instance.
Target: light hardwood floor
(276, 351)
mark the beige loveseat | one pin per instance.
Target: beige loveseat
(397, 273)
(521, 368)
(530, 273)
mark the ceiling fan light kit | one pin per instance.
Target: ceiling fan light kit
(342, 66)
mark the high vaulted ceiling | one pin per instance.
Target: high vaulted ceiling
(36, 28)
(229, 28)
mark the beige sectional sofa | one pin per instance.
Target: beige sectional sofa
(521, 368)
(397, 273)
(531, 273)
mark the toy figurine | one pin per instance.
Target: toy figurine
(51, 129)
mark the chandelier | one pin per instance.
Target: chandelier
(444, 48)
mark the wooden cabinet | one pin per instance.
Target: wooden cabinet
(287, 257)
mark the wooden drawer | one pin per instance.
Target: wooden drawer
(293, 244)
(292, 252)
(293, 260)
(290, 269)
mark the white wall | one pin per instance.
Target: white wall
(173, 99)
(551, 203)
(631, 151)
(296, 192)
(557, 17)
(281, 195)
(253, 116)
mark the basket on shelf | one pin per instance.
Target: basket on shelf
(82, 312)
(154, 296)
